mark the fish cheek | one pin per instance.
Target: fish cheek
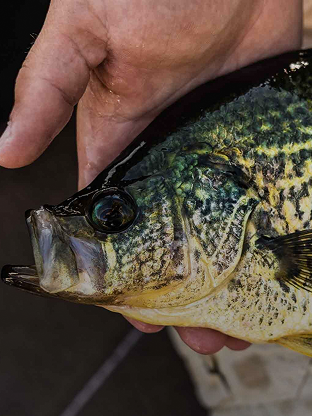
(138, 259)
(164, 257)
(149, 257)
(89, 257)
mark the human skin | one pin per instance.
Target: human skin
(123, 62)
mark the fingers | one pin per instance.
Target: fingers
(236, 344)
(209, 341)
(45, 94)
(202, 340)
(143, 327)
(52, 80)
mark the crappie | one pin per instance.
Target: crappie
(204, 220)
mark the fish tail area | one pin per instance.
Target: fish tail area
(299, 343)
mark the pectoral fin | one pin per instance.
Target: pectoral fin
(295, 253)
(300, 343)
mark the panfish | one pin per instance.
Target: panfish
(204, 220)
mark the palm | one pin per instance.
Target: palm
(125, 61)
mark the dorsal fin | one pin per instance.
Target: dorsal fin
(295, 253)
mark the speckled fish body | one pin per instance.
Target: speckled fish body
(214, 215)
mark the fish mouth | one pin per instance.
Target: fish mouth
(45, 278)
(25, 278)
(54, 259)
(61, 268)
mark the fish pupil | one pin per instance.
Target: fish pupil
(113, 212)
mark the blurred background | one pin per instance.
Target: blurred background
(49, 349)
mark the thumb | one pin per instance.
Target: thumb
(51, 81)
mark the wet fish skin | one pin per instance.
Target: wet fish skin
(218, 182)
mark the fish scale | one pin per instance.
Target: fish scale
(270, 317)
(204, 220)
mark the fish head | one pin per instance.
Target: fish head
(128, 242)
(144, 243)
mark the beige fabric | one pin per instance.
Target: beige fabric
(264, 380)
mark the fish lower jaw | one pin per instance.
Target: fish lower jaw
(84, 287)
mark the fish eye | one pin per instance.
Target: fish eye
(112, 211)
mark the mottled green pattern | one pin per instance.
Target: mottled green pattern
(209, 197)
(258, 132)
(263, 118)
(140, 255)
(250, 155)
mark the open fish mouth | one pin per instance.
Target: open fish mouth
(39, 278)
(25, 278)
(61, 268)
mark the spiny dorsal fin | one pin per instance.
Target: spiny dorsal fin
(295, 253)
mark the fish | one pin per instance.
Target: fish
(204, 220)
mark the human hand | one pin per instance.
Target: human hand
(124, 61)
